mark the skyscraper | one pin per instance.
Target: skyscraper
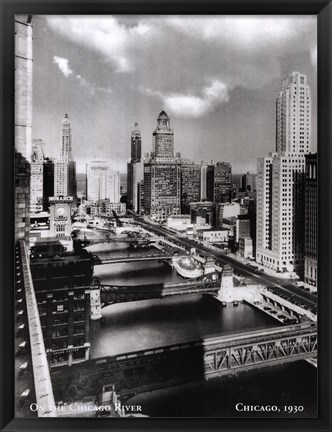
(134, 170)
(162, 187)
(48, 182)
(248, 182)
(66, 152)
(23, 123)
(162, 174)
(65, 168)
(136, 145)
(311, 220)
(293, 115)
(102, 181)
(37, 172)
(280, 181)
(163, 137)
(23, 85)
(190, 185)
(203, 172)
(219, 182)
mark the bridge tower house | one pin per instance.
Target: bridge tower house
(226, 292)
(95, 301)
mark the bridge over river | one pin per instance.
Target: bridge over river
(208, 284)
(160, 367)
(133, 258)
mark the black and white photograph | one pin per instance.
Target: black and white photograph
(166, 216)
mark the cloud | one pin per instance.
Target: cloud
(105, 35)
(241, 31)
(63, 65)
(174, 57)
(92, 87)
(238, 50)
(193, 106)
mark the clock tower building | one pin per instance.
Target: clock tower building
(60, 216)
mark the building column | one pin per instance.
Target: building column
(49, 320)
(86, 316)
(87, 310)
(70, 326)
(49, 325)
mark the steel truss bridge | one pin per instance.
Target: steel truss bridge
(119, 294)
(134, 258)
(150, 369)
(109, 239)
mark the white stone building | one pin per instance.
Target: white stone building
(280, 181)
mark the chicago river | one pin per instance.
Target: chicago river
(141, 325)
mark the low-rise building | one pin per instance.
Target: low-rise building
(246, 247)
(202, 213)
(226, 211)
(62, 284)
(179, 222)
(105, 208)
(213, 236)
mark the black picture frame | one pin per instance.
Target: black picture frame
(323, 9)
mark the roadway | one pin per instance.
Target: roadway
(283, 287)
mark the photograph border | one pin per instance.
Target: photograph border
(323, 9)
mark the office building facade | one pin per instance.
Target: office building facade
(23, 123)
(65, 167)
(248, 182)
(134, 171)
(311, 220)
(162, 174)
(219, 182)
(102, 181)
(48, 182)
(280, 181)
(203, 184)
(163, 137)
(37, 176)
(190, 185)
(162, 187)
(136, 144)
(63, 286)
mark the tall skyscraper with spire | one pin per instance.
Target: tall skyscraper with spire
(162, 174)
(134, 170)
(136, 145)
(65, 167)
(66, 152)
(280, 181)
(163, 137)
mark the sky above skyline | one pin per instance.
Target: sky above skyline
(216, 77)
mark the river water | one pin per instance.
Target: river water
(145, 324)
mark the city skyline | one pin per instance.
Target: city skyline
(187, 281)
(218, 99)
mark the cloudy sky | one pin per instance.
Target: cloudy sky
(217, 77)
